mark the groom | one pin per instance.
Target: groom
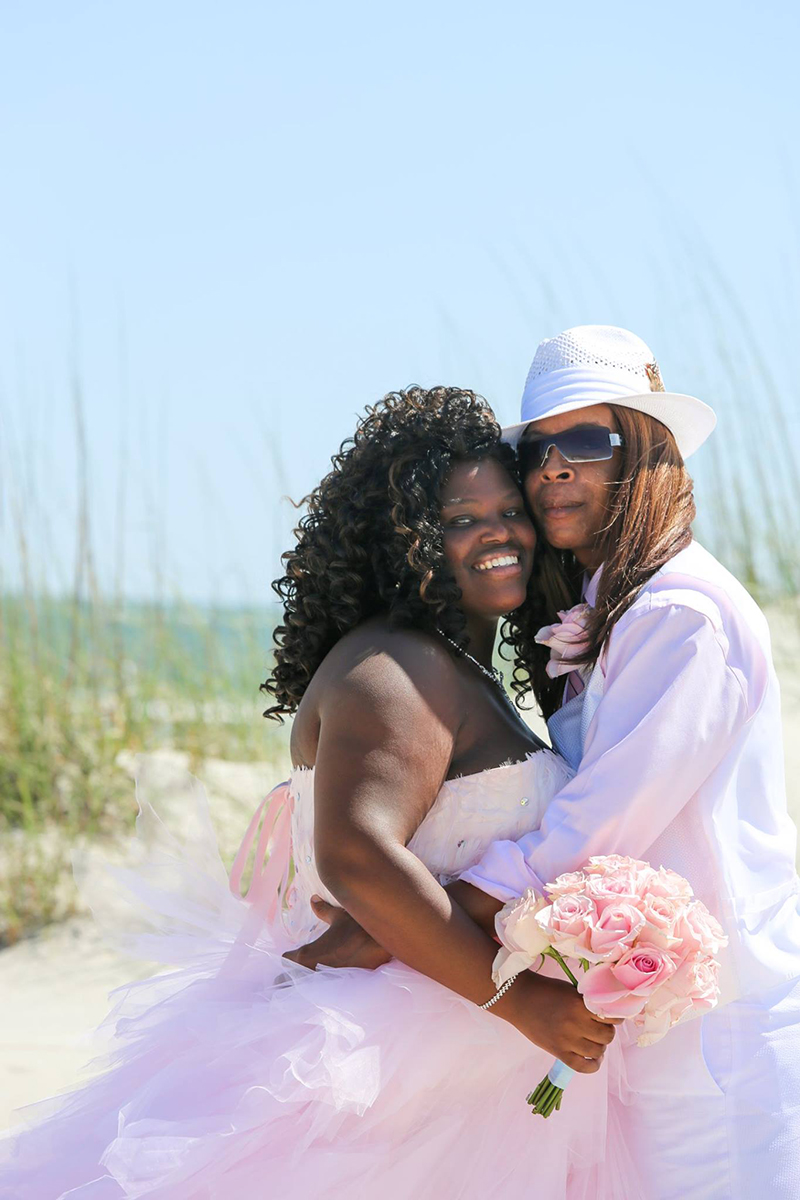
(672, 722)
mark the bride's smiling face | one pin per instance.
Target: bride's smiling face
(489, 539)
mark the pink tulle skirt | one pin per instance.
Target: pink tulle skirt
(241, 1075)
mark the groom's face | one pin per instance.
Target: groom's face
(570, 501)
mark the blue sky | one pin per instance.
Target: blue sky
(237, 225)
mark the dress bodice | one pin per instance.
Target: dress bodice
(469, 813)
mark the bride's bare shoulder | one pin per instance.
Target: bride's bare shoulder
(376, 656)
(380, 682)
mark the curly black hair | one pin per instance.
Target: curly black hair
(371, 539)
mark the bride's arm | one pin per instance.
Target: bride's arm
(386, 740)
(480, 906)
(388, 729)
(345, 944)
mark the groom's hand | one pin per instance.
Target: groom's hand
(346, 944)
(343, 944)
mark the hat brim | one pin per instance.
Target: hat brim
(690, 420)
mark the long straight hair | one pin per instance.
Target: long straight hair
(650, 513)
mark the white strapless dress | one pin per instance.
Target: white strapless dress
(241, 1076)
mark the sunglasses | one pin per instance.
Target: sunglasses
(592, 443)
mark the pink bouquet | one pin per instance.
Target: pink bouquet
(647, 948)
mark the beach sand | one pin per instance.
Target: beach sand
(54, 987)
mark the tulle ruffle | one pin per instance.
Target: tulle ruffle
(242, 1075)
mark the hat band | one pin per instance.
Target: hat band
(578, 386)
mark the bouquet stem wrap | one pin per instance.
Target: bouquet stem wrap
(546, 1098)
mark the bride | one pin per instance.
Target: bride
(243, 1073)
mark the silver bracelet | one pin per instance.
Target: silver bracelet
(499, 993)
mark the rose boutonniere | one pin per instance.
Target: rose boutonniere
(566, 638)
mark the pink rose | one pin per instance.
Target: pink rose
(665, 882)
(639, 872)
(692, 990)
(522, 937)
(699, 932)
(570, 883)
(603, 864)
(567, 639)
(615, 932)
(660, 1013)
(697, 982)
(617, 887)
(568, 923)
(622, 989)
(662, 914)
(644, 968)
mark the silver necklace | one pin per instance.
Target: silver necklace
(490, 673)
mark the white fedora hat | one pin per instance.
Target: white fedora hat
(601, 364)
